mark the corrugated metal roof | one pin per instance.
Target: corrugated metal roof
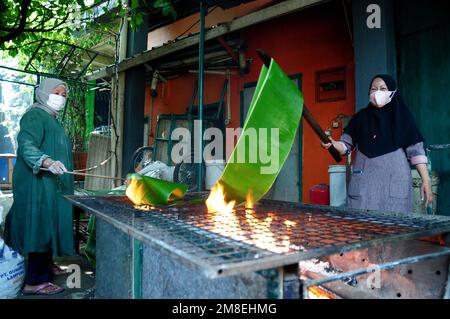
(185, 8)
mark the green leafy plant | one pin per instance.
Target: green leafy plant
(84, 23)
(30, 20)
(74, 117)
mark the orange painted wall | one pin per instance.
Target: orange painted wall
(216, 15)
(304, 42)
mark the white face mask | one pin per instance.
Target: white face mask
(381, 98)
(56, 102)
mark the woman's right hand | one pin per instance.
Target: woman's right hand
(327, 145)
(55, 167)
(338, 146)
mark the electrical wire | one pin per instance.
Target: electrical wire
(347, 20)
(195, 23)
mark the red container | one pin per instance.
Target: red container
(319, 194)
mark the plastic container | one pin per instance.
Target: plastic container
(214, 169)
(338, 185)
(319, 194)
(418, 204)
(7, 162)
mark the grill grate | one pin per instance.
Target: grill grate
(271, 235)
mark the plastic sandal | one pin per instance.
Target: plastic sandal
(43, 289)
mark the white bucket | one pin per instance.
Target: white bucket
(418, 204)
(338, 188)
(214, 169)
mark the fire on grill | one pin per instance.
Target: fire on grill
(331, 249)
(227, 222)
(222, 239)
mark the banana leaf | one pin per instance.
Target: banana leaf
(145, 190)
(276, 104)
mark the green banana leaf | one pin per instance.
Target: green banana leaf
(145, 190)
(276, 103)
(91, 245)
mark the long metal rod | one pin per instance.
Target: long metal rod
(201, 68)
(86, 66)
(34, 53)
(386, 266)
(65, 60)
(89, 175)
(50, 75)
(17, 82)
(137, 269)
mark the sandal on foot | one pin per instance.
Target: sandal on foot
(44, 289)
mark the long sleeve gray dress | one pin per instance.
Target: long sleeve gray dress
(382, 183)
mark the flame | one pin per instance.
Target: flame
(289, 223)
(222, 214)
(318, 293)
(249, 203)
(135, 191)
(216, 201)
(263, 237)
(257, 231)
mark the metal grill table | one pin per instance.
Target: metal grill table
(272, 235)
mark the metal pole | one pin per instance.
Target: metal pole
(200, 94)
(386, 266)
(17, 82)
(51, 76)
(38, 82)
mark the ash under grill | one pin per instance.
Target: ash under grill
(273, 234)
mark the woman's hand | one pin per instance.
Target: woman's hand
(426, 193)
(338, 146)
(55, 167)
(425, 190)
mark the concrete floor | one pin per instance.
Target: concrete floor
(87, 281)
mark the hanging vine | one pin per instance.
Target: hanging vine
(74, 116)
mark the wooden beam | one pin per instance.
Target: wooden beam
(227, 47)
(253, 18)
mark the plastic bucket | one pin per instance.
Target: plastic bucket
(338, 187)
(418, 204)
(214, 169)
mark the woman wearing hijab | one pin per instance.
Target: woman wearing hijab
(387, 143)
(39, 223)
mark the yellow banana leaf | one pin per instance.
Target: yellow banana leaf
(276, 104)
(145, 190)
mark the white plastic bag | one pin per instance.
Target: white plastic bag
(6, 201)
(158, 170)
(12, 272)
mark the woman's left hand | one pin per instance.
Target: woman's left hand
(426, 193)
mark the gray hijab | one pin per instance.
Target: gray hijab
(44, 89)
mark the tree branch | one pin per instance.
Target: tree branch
(25, 5)
(56, 25)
